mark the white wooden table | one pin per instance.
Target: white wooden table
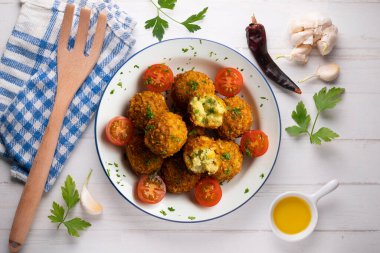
(349, 217)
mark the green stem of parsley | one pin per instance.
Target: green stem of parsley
(160, 10)
(316, 118)
(64, 218)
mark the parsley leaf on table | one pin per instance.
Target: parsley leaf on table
(167, 4)
(69, 192)
(75, 225)
(188, 23)
(324, 100)
(58, 213)
(159, 24)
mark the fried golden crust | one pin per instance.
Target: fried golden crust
(188, 84)
(142, 160)
(199, 149)
(176, 176)
(165, 135)
(237, 120)
(145, 106)
(231, 160)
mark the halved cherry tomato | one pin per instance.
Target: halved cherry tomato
(254, 143)
(119, 131)
(228, 82)
(151, 189)
(208, 192)
(158, 78)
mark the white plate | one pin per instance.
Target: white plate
(181, 55)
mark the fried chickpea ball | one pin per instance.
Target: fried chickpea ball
(176, 176)
(231, 160)
(165, 135)
(237, 120)
(207, 110)
(200, 155)
(188, 84)
(142, 160)
(145, 106)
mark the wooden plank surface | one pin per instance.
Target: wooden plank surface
(349, 218)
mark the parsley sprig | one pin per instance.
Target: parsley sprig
(58, 213)
(159, 24)
(324, 100)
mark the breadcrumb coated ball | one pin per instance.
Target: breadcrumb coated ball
(176, 176)
(231, 160)
(165, 135)
(207, 110)
(200, 155)
(237, 120)
(141, 159)
(145, 106)
(188, 84)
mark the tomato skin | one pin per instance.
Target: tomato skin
(158, 78)
(119, 131)
(254, 143)
(228, 82)
(208, 192)
(150, 189)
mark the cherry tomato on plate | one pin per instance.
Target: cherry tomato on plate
(158, 78)
(254, 143)
(150, 189)
(119, 131)
(228, 82)
(208, 192)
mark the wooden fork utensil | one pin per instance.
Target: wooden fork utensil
(73, 67)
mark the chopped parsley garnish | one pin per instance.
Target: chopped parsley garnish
(226, 156)
(262, 175)
(236, 111)
(185, 50)
(163, 212)
(171, 209)
(227, 171)
(191, 217)
(193, 84)
(147, 162)
(246, 190)
(108, 172)
(120, 84)
(192, 132)
(148, 128)
(248, 152)
(149, 113)
(196, 111)
(148, 81)
(211, 111)
(175, 138)
(112, 92)
(136, 66)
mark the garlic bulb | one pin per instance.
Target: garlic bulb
(328, 40)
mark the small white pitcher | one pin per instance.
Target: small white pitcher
(312, 201)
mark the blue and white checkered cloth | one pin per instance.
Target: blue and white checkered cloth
(28, 80)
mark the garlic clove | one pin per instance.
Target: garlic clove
(87, 200)
(327, 42)
(309, 40)
(295, 26)
(328, 72)
(299, 54)
(298, 38)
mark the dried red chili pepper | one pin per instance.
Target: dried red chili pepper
(257, 43)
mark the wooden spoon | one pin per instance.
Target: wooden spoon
(73, 68)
